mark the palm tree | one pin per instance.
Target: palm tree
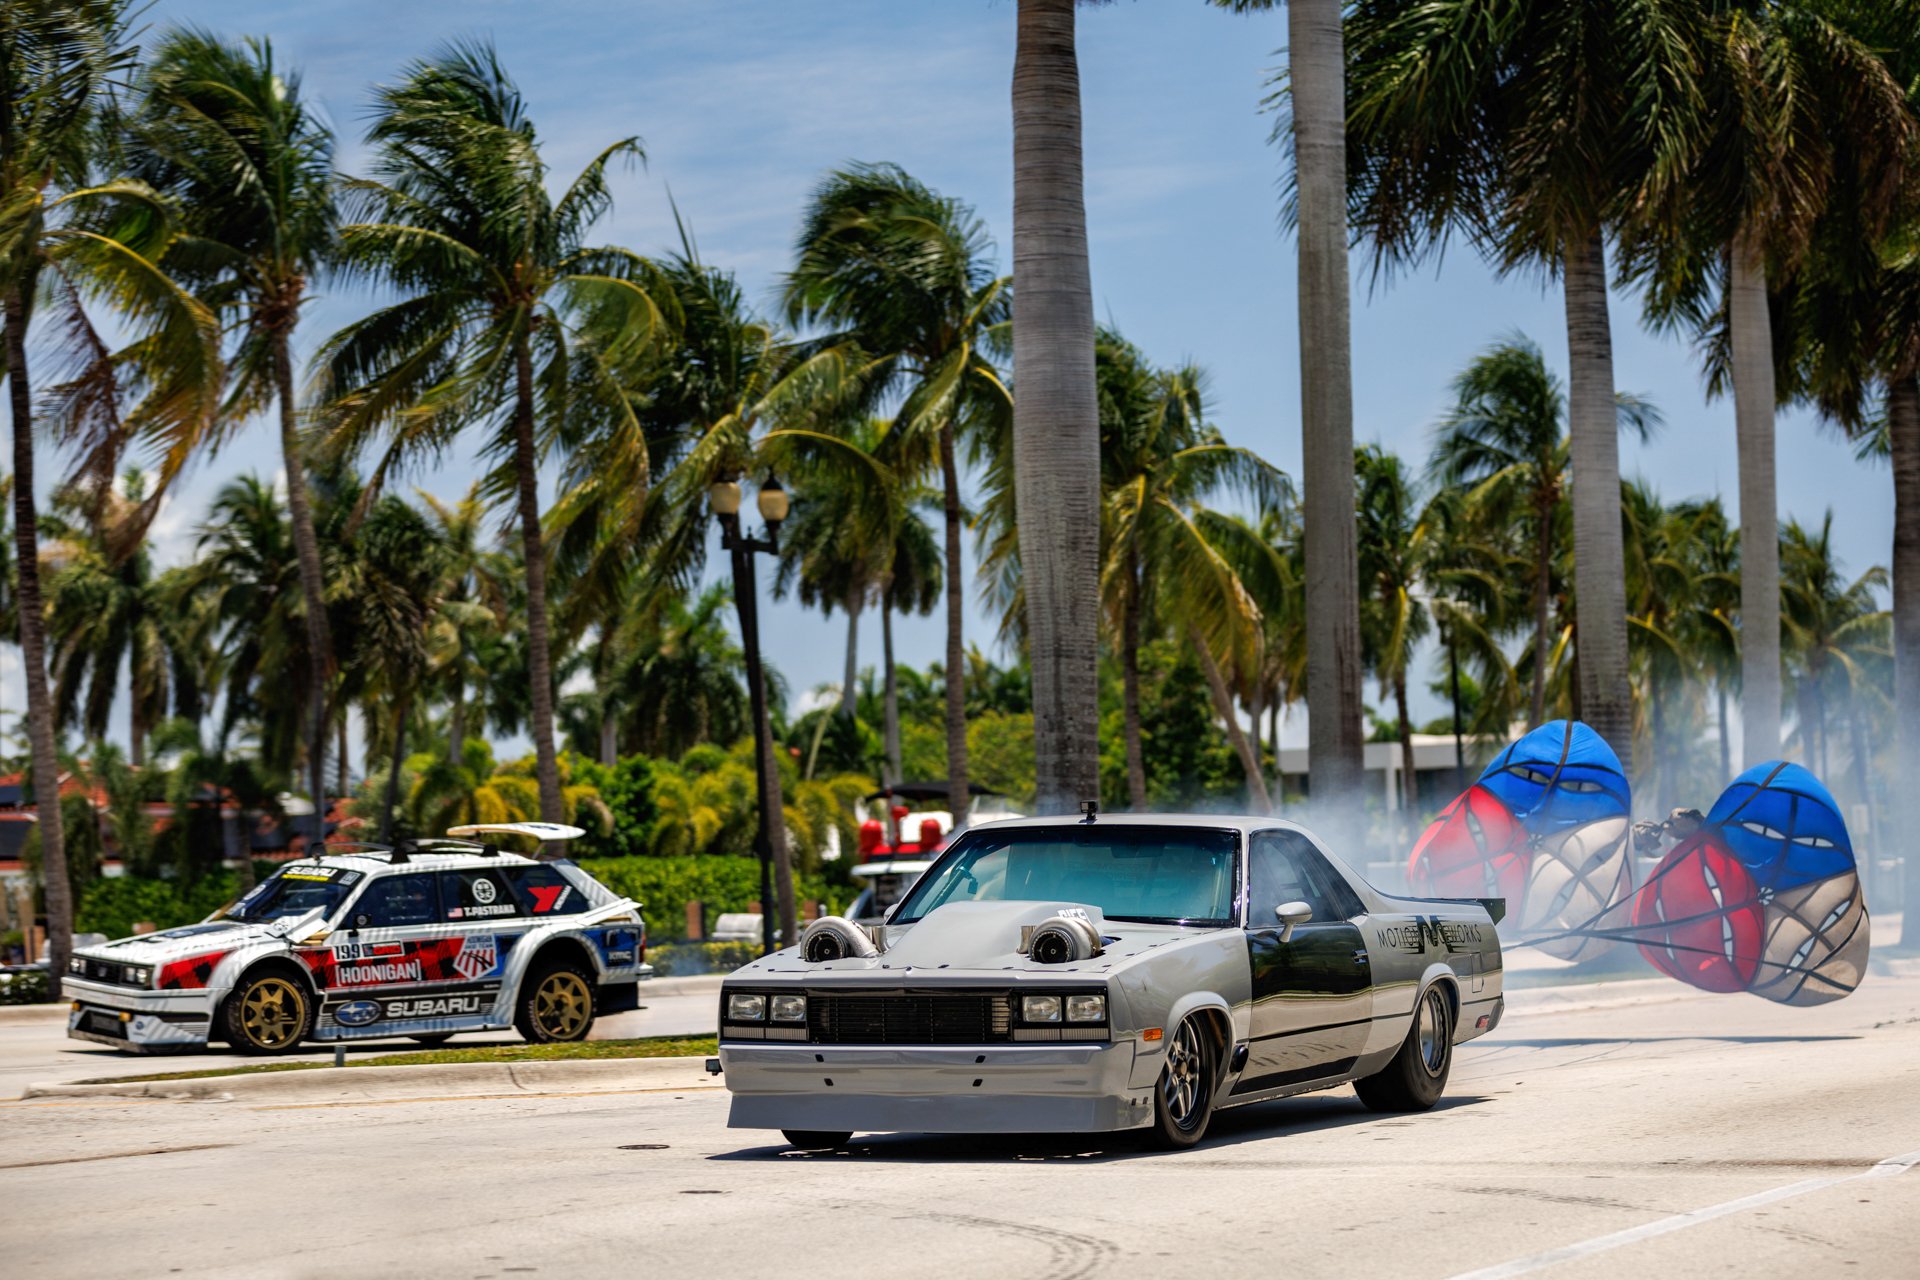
(1792, 97)
(226, 132)
(61, 238)
(1159, 459)
(1315, 133)
(1836, 633)
(1393, 618)
(912, 585)
(904, 275)
(1505, 437)
(508, 317)
(102, 612)
(1529, 129)
(473, 607)
(1056, 418)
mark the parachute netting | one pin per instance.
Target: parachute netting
(1761, 894)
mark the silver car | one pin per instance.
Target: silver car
(1110, 973)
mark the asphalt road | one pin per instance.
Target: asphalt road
(37, 1051)
(1563, 1131)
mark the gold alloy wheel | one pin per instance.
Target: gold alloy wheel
(562, 1005)
(273, 1013)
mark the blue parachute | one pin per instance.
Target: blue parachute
(1561, 775)
(1783, 824)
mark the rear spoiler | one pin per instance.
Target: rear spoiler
(1496, 908)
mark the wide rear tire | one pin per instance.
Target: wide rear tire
(1417, 1076)
(556, 1003)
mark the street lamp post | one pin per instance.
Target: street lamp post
(724, 498)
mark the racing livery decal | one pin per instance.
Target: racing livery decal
(189, 973)
(362, 964)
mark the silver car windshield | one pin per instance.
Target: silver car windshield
(1157, 875)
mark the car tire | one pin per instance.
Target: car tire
(815, 1139)
(432, 1041)
(1183, 1095)
(1417, 1075)
(269, 1012)
(556, 1003)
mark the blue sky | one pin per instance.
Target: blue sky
(744, 104)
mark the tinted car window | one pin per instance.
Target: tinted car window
(481, 894)
(542, 890)
(393, 901)
(294, 892)
(1284, 867)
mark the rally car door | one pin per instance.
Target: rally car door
(407, 954)
(1313, 991)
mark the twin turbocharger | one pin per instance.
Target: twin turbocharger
(1063, 938)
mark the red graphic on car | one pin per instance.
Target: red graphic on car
(355, 965)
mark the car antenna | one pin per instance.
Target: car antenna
(1091, 808)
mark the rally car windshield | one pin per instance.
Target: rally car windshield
(1156, 875)
(294, 891)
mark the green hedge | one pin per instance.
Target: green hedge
(664, 886)
(24, 988)
(684, 959)
(113, 905)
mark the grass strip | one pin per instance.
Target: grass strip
(650, 1047)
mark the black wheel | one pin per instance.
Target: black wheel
(814, 1139)
(269, 1012)
(556, 1003)
(1415, 1078)
(432, 1041)
(1183, 1099)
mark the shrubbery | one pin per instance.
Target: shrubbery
(664, 886)
(24, 988)
(112, 906)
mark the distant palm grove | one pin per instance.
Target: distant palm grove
(170, 203)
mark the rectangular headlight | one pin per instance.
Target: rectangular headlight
(1040, 1008)
(789, 1008)
(745, 1007)
(76, 965)
(1086, 1008)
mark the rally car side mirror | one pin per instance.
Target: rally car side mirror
(1291, 914)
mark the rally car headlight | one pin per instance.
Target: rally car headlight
(746, 1007)
(1040, 1008)
(1086, 1008)
(139, 975)
(789, 1008)
(76, 965)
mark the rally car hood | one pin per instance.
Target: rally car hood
(969, 937)
(194, 939)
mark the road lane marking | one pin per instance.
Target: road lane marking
(1680, 1221)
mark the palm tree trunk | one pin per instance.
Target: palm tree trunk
(392, 800)
(1056, 421)
(1453, 694)
(457, 724)
(1903, 429)
(1409, 780)
(603, 675)
(959, 794)
(1130, 689)
(1336, 742)
(1863, 784)
(1726, 744)
(1223, 706)
(1542, 600)
(1753, 405)
(1599, 552)
(852, 676)
(313, 585)
(33, 654)
(892, 685)
(539, 653)
(340, 752)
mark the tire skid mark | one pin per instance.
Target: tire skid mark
(1070, 1256)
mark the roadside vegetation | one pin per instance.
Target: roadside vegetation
(590, 1050)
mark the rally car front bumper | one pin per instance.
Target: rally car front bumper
(129, 1018)
(1028, 1088)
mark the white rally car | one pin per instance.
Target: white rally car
(424, 939)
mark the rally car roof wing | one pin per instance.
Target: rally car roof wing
(536, 830)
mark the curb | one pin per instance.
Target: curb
(49, 1011)
(388, 1084)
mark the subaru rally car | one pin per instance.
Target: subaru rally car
(425, 939)
(1134, 972)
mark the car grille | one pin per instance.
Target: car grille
(102, 1023)
(108, 971)
(967, 1017)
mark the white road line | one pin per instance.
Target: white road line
(1680, 1221)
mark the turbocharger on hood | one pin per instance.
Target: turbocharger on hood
(1062, 939)
(835, 938)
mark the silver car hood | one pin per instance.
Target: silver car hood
(984, 936)
(188, 940)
